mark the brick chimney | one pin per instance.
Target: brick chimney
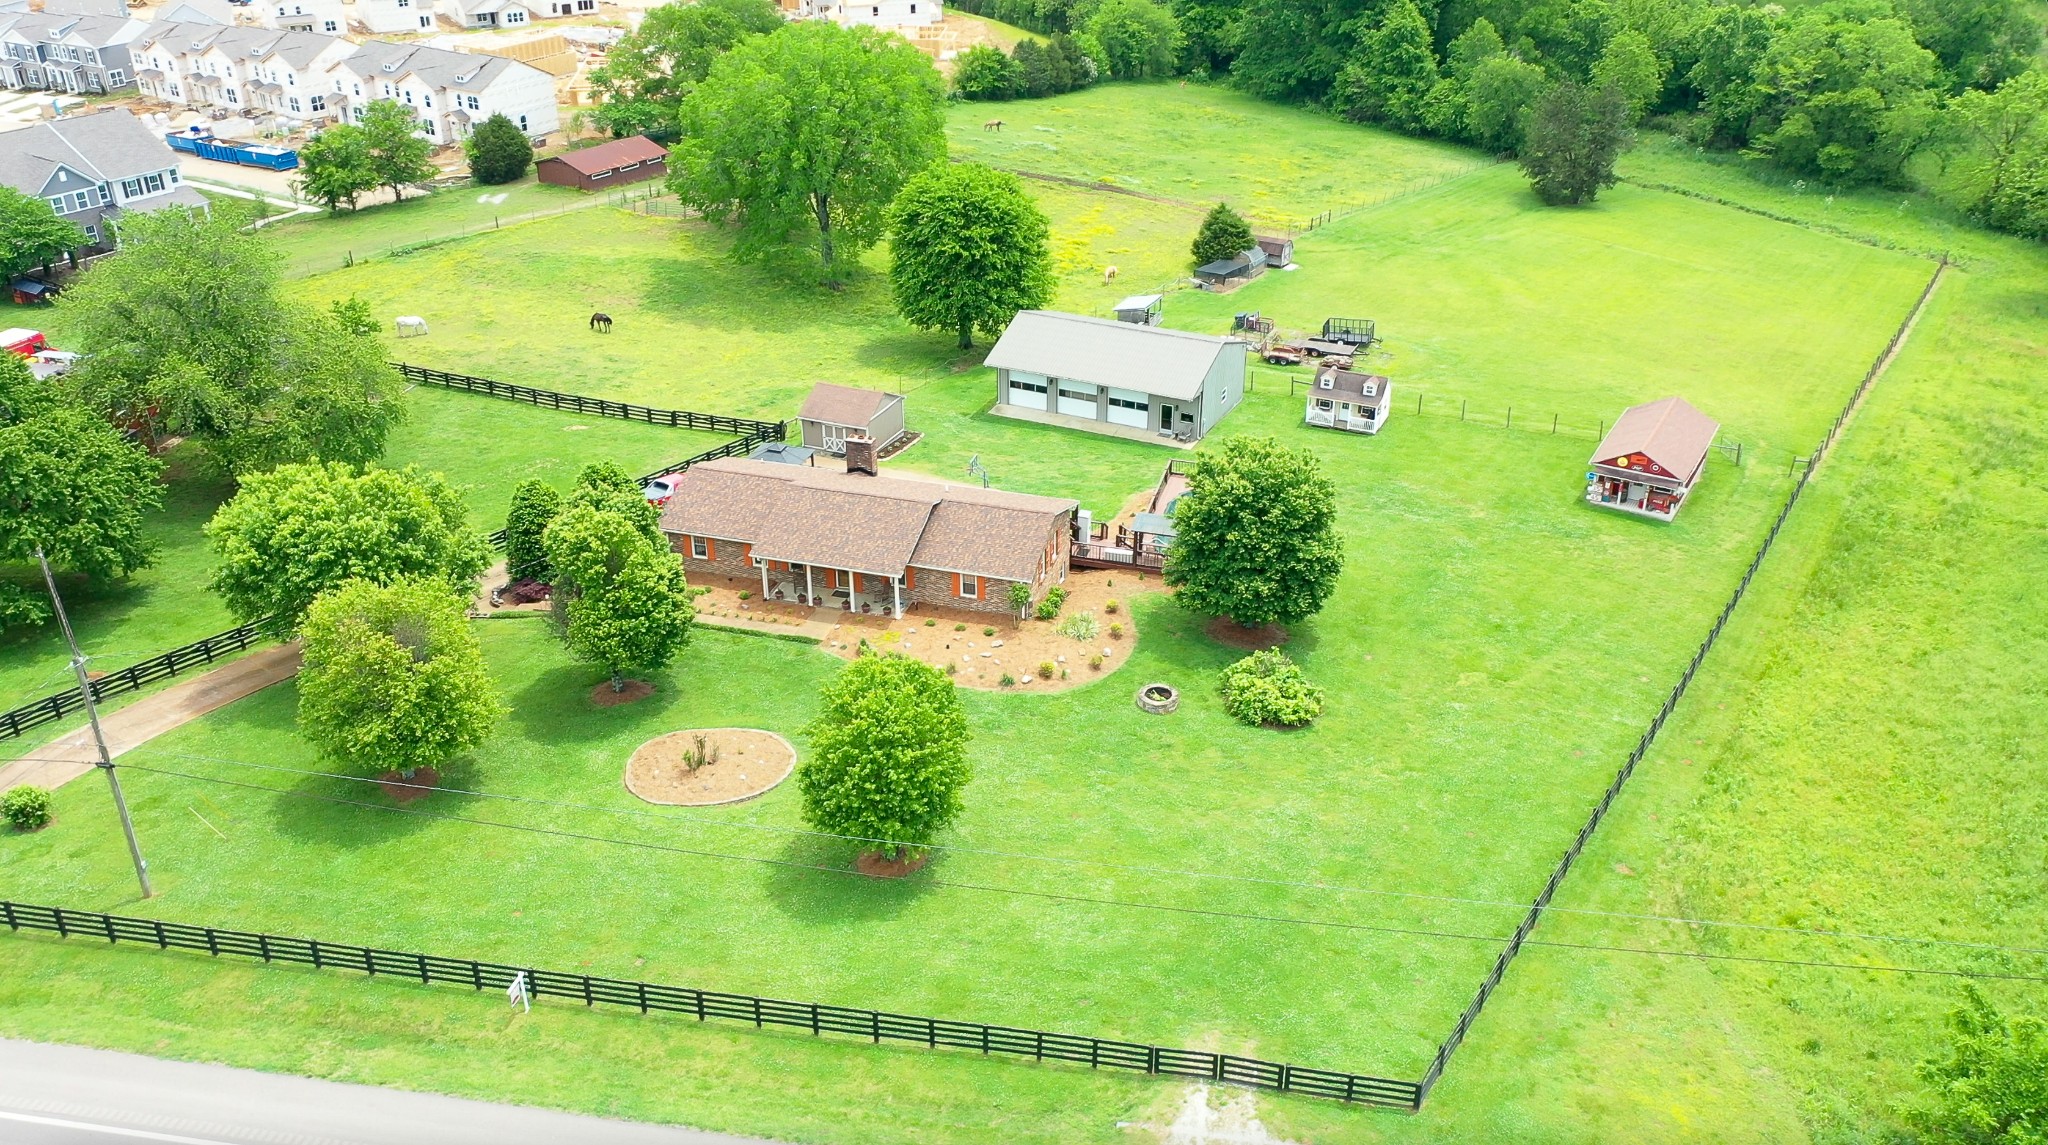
(860, 455)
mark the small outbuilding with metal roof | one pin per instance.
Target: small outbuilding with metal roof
(1648, 463)
(1119, 378)
(633, 159)
(831, 414)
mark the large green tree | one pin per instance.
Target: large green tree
(802, 137)
(32, 236)
(2001, 172)
(888, 755)
(71, 485)
(1255, 536)
(1392, 72)
(534, 506)
(392, 677)
(335, 166)
(498, 151)
(1991, 1086)
(399, 155)
(299, 530)
(1573, 137)
(187, 330)
(647, 74)
(1224, 235)
(607, 487)
(1629, 64)
(1498, 96)
(1140, 38)
(983, 72)
(968, 250)
(621, 600)
(1292, 50)
(1851, 95)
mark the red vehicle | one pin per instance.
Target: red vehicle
(659, 490)
(27, 343)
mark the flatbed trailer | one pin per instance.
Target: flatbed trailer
(1357, 332)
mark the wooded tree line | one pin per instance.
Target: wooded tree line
(1941, 93)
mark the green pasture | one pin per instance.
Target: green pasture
(315, 244)
(1475, 701)
(1197, 143)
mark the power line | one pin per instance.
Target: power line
(1150, 870)
(1089, 900)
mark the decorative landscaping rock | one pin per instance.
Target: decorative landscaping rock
(748, 763)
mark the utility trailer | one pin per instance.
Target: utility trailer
(1355, 332)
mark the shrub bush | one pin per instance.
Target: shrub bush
(1080, 626)
(988, 631)
(1050, 606)
(1095, 661)
(1109, 605)
(931, 623)
(1116, 632)
(1268, 688)
(26, 808)
(1008, 681)
(1045, 669)
(959, 628)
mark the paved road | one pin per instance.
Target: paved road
(66, 1095)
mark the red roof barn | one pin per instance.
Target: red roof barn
(1649, 461)
(622, 161)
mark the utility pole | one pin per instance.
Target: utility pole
(99, 736)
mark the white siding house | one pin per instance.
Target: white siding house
(451, 92)
(384, 16)
(487, 13)
(876, 13)
(323, 16)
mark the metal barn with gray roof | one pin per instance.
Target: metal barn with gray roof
(1142, 382)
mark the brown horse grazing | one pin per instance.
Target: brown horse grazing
(993, 125)
(601, 322)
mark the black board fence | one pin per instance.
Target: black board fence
(594, 407)
(135, 677)
(1564, 865)
(818, 1018)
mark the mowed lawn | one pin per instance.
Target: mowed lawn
(1201, 144)
(315, 244)
(1476, 706)
(1484, 295)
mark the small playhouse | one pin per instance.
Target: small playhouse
(1648, 463)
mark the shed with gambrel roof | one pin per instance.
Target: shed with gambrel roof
(1648, 463)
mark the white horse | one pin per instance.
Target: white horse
(411, 325)
(1108, 275)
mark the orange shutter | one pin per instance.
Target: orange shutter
(981, 588)
(746, 554)
(956, 584)
(909, 578)
(710, 549)
(856, 581)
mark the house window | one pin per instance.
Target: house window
(970, 587)
(92, 233)
(408, 97)
(294, 101)
(106, 194)
(515, 17)
(427, 100)
(472, 103)
(1324, 404)
(57, 204)
(234, 96)
(317, 103)
(1126, 403)
(596, 175)
(152, 183)
(522, 123)
(81, 200)
(700, 547)
(116, 78)
(174, 91)
(131, 188)
(332, 27)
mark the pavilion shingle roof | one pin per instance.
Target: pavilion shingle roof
(851, 521)
(1670, 432)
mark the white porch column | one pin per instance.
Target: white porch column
(764, 580)
(896, 592)
(809, 595)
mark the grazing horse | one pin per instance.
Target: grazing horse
(993, 125)
(1108, 275)
(411, 325)
(601, 322)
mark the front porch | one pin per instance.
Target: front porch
(1657, 502)
(843, 589)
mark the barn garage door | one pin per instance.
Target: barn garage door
(1130, 407)
(1027, 390)
(1077, 399)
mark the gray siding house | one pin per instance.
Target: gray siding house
(832, 413)
(79, 54)
(1119, 378)
(90, 168)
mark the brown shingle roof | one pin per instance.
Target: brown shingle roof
(1667, 436)
(844, 405)
(610, 156)
(1350, 384)
(868, 524)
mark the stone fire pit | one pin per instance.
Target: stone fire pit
(1158, 699)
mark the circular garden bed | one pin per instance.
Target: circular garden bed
(703, 767)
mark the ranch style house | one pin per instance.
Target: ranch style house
(854, 540)
(90, 168)
(1120, 378)
(1343, 399)
(1651, 459)
(833, 414)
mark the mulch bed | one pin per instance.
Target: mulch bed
(602, 696)
(405, 792)
(1224, 630)
(748, 762)
(876, 865)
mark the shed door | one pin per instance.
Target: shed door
(1130, 407)
(833, 437)
(1027, 390)
(1077, 399)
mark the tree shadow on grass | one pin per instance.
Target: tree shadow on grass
(837, 894)
(353, 813)
(554, 707)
